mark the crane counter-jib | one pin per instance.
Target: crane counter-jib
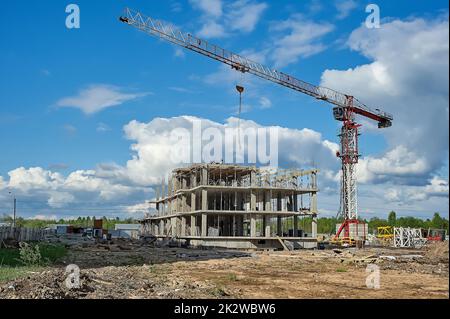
(167, 32)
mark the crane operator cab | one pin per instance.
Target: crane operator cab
(338, 113)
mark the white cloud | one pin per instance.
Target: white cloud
(344, 8)
(45, 217)
(410, 195)
(97, 97)
(34, 178)
(220, 20)
(303, 39)
(244, 15)
(265, 102)
(153, 146)
(107, 184)
(437, 187)
(212, 29)
(60, 199)
(211, 8)
(139, 209)
(398, 162)
(102, 127)
(409, 80)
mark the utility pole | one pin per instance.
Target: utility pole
(14, 209)
(14, 218)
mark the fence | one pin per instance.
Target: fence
(23, 234)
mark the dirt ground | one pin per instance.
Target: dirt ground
(128, 269)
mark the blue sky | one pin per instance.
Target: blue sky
(43, 64)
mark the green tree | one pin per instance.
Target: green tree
(392, 218)
(438, 222)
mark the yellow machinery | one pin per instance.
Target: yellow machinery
(385, 234)
(343, 241)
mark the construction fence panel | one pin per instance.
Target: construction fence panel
(23, 234)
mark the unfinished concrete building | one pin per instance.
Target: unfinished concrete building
(218, 205)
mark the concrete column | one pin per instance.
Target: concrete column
(173, 225)
(161, 227)
(204, 177)
(267, 201)
(295, 226)
(183, 203)
(252, 226)
(169, 207)
(193, 199)
(204, 200)
(314, 203)
(183, 226)
(253, 178)
(279, 230)
(252, 215)
(266, 226)
(240, 225)
(204, 225)
(252, 200)
(193, 226)
(314, 227)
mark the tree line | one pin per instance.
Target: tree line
(85, 222)
(325, 225)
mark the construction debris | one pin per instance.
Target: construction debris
(145, 271)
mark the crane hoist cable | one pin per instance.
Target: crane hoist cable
(240, 90)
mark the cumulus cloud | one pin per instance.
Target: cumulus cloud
(60, 199)
(98, 97)
(221, 19)
(34, 178)
(244, 15)
(298, 38)
(45, 217)
(410, 80)
(154, 145)
(344, 8)
(152, 160)
(437, 187)
(209, 7)
(212, 29)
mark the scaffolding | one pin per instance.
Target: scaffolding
(408, 237)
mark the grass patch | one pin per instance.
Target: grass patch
(341, 270)
(49, 252)
(12, 267)
(232, 277)
(8, 273)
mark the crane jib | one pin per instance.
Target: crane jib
(168, 32)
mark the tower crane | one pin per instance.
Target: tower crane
(345, 107)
